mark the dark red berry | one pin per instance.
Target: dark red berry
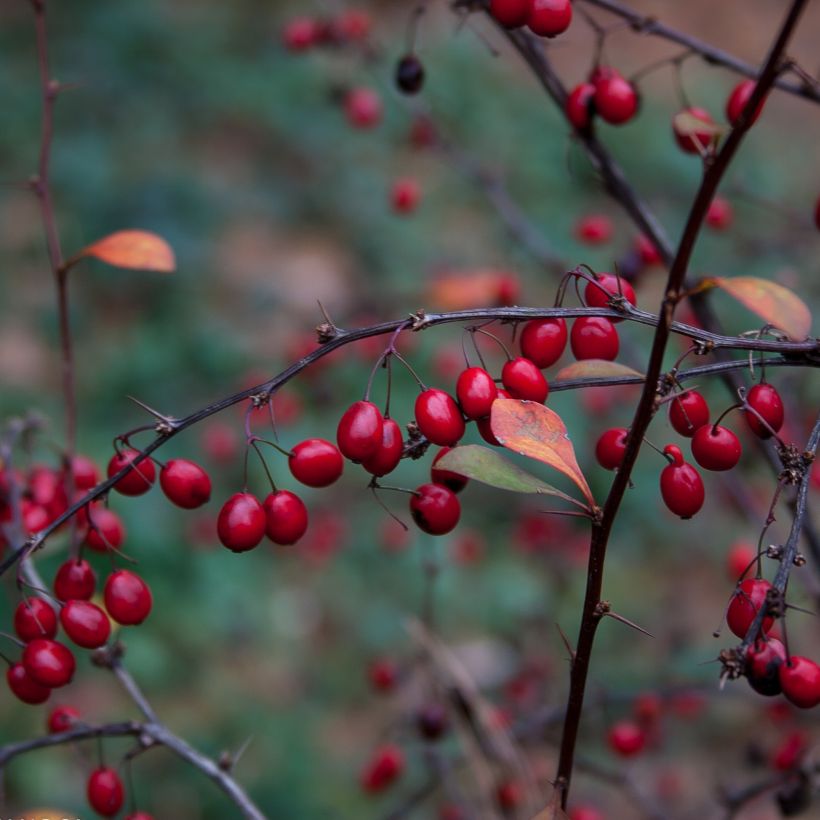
(524, 380)
(549, 18)
(579, 107)
(363, 108)
(691, 138)
(409, 74)
(453, 481)
(84, 473)
(138, 479)
(85, 623)
(611, 446)
(720, 215)
(763, 662)
(359, 434)
(286, 517)
(185, 483)
(476, 392)
(127, 598)
(681, 485)
(75, 579)
(800, 680)
(405, 196)
(626, 738)
(484, 425)
(300, 33)
(62, 718)
(48, 662)
(439, 417)
(385, 766)
(34, 618)
(715, 447)
(737, 102)
(432, 721)
(543, 341)
(106, 530)
(24, 687)
(510, 13)
(647, 251)
(688, 412)
(388, 456)
(616, 100)
(607, 286)
(595, 229)
(383, 675)
(746, 602)
(435, 508)
(594, 337)
(767, 402)
(105, 792)
(241, 522)
(316, 462)
(509, 795)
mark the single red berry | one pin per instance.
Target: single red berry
(359, 434)
(800, 680)
(383, 674)
(404, 196)
(435, 508)
(316, 462)
(739, 560)
(432, 721)
(790, 753)
(300, 34)
(476, 392)
(767, 402)
(409, 74)
(596, 229)
(34, 618)
(363, 107)
(46, 487)
(48, 662)
(185, 483)
(85, 623)
(453, 481)
(439, 417)
(681, 485)
(286, 517)
(127, 598)
(616, 100)
(24, 687)
(720, 214)
(585, 813)
(688, 412)
(626, 738)
(509, 795)
(715, 447)
(763, 661)
(737, 102)
(105, 792)
(84, 473)
(579, 108)
(524, 380)
(35, 517)
(241, 522)
(75, 579)
(485, 426)
(606, 287)
(611, 446)
(594, 337)
(510, 13)
(691, 138)
(389, 455)
(138, 479)
(749, 596)
(543, 341)
(355, 24)
(648, 253)
(384, 768)
(106, 530)
(648, 708)
(548, 18)
(62, 718)
(139, 815)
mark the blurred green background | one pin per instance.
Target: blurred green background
(192, 120)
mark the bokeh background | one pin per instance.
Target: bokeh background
(192, 120)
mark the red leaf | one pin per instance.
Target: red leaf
(136, 250)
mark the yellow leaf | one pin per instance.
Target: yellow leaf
(136, 250)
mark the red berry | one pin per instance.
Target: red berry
(510, 13)
(107, 531)
(681, 485)
(817, 214)
(185, 483)
(763, 661)
(543, 341)
(715, 447)
(549, 18)
(127, 598)
(594, 337)
(139, 815)
(241, 522)
(691, 139)
(405, 195)
(524, 380)
(720, 214)
(800, 680)
(316, 462)
(476, 392)
(647, 251)
(85, 623)
(62, 718)
(739, 560)
(737, 102)
(439, 417)
(105, 792)
(746, 602)
(767, 402)
(579, 107)
(626, 738)
(383, 674)
(363, 107)
(354, 24)
(139, 479)
(286, 517)
(611, 446)
(75, 579)
(484, 425)
(35, 517)
(385, 766)
(84, 473)
(453, 481)
(24, 687)
(688, 412)
(616, 100)
(585, 813)
(389, 455)
(300, 34)
(48, 662)
(790, 752)
(509, 795)
(594, 230)
(34, 618)
(359, 434)
(607, 286)
(435, 508)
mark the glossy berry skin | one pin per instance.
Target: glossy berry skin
(384, 768)
(24, 687)
(241, 522)
(510, 13)
(439, 417)
(405, 196)
(608, 286)
(594, 337)
(476, 392)
(626, 738)
(681, 485)
(737, 102)
(185, 483)
(34, 618)
(579, 106)
(105, 792)
(716, 448)
(85, 624)
(453, 481)
(75, 579)
(524, 380)
(286, 517)
(548, 18)
(763, 661)
(745, 604)
(800, 681)
(688, 412)
(127, 598)
(84, 473)
(720, 214)
(695, 142)
(409, 74)
(139, 479)
(62, 718)
(108, 531)
(359, 434)
(316, 462)
(543, 341)
(610, 449)
(767, 402)
(435, 509)
(388, 456)
(48, 662)
(363, 108)
(616, 100)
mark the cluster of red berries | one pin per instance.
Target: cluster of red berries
(303, 33)
(606, 93)
(546, 18)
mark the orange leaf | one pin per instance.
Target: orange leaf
(775, 304)
(137, 250)
(595, 368)
(479, 288)
(535, 431)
